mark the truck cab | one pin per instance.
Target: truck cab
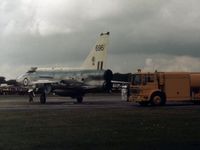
(147, 88)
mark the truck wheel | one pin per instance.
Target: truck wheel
(143, 103)
(157, 99)
(79, 99)
(43, 98)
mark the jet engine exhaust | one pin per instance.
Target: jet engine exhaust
(108, 76)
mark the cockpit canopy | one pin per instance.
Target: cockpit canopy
(32, 69)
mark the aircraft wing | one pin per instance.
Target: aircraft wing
(44, 82)
(68, 84)
(119, 82)
(71, 83)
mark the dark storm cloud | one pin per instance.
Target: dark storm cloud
(169, 28)
(34, 32)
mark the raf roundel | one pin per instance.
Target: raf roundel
(25, 82)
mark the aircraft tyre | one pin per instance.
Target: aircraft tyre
(157, 99)
(79, 99)
(43, 98)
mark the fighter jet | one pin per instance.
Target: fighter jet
(71, 82)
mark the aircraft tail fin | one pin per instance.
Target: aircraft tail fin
(98, 55)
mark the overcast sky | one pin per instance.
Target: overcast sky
(147, 34)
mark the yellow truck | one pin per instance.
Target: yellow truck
(158, 87)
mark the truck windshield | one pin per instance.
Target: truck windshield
(143, 79)
(137, 79)
(149, 78)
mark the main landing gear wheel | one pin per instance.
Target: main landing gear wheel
(43, 98)
(157, 99)
(79, 99)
